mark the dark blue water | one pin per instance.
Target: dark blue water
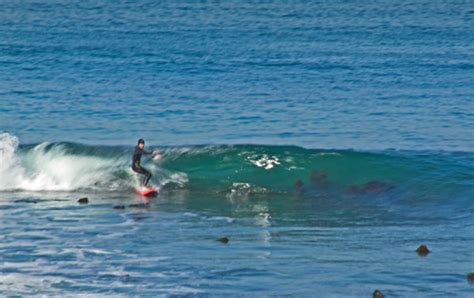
(81, 82)
(322, 74)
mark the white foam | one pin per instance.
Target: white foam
(54, 169)
(10, 171)
(264, 161)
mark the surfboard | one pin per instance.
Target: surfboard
(146, 192)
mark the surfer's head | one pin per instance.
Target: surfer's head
(141, 143)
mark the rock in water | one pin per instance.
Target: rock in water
(119, 207)
(423, 250)
(318, 177)
(378, 294)
(223, 240)
(83, 201)
(470, 278)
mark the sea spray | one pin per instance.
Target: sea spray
(10, 171)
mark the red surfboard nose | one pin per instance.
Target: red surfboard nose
(148, 191)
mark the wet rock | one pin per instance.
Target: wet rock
(470, 278)
(423, 250)
(83, 201)
(223, 240)
(119, 207)
(378, 294)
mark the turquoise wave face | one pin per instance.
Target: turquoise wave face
(259, 170)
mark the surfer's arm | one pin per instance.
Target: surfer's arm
(156, 155)
(147, 152)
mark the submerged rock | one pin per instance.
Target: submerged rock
(423, 250)
(353, 189)
(223, 240)
(470, 278)
(371, 187)
(378, 294)
(83, 201)
(376, 187)
(318, 177)
(298, 185)
(119, 207)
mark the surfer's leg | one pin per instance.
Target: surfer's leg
(147, 176)
(144, 172)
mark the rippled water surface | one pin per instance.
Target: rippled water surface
(321, 74)
(50, 245)
(361, 116)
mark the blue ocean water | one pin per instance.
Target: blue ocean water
(322, 74)
(326, 139)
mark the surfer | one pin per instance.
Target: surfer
(137, 155)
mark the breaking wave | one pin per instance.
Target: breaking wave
(240, 170)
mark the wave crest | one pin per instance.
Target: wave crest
(54, 167)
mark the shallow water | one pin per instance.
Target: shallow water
(370, 102)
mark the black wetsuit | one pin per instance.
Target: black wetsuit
(137, 155)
